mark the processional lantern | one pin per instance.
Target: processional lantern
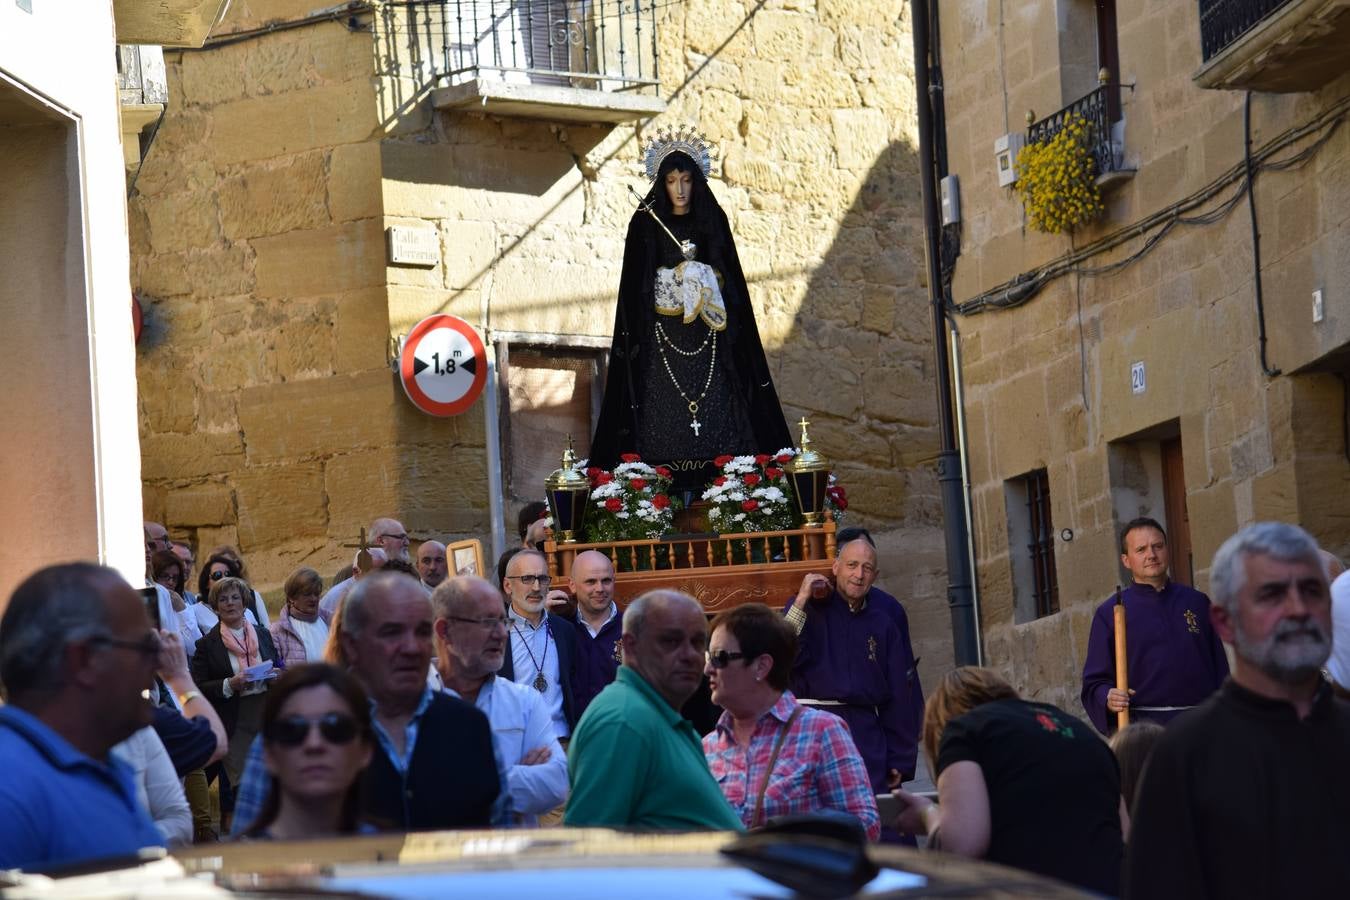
(568, 489)
(810, 474)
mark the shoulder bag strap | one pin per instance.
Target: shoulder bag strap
(755, 821)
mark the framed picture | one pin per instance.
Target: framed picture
(466, 557)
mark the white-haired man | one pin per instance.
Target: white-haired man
(471, 638)
(1245, 795)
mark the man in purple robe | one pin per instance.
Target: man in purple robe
(854, 659)
(1174, 658)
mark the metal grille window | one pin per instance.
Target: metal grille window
(1096, 109)
(1222, 22)
(1031, 545)
(607, 45)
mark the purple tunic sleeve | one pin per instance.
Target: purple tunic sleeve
(897, 715)
(1099, 669)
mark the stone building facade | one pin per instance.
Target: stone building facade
(269, 414)
(1133, 383)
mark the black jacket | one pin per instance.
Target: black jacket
(211, 668)
(451, 780)
(565, 639)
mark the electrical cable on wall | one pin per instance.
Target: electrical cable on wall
(1026, 285)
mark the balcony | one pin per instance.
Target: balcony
(1282, 46)
(167, 23)
(561, 60)
(1105, 134)
(142, 91)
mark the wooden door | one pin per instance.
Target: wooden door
(1178, 521)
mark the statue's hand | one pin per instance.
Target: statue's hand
(689, 249)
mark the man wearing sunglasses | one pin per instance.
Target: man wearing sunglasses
(77, 657)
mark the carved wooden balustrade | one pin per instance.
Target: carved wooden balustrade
(719, 570)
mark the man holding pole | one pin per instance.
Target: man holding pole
(1174, 660)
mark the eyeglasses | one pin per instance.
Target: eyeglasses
(147, 646)
(216, 576)
(722, 658)
(537, 580)
(335, 728)
(489, 623)
(392, 537)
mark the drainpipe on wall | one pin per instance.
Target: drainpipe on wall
(960, 597)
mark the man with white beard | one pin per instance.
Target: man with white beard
(1246, 795)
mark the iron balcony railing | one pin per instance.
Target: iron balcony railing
(605, 45)
(1095, 108)
(1222, 22)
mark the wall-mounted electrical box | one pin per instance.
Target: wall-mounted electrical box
(950, 189)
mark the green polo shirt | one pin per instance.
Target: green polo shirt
(637, 763)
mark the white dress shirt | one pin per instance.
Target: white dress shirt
(520, 723)
(527, 639)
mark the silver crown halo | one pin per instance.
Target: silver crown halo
(679, 139)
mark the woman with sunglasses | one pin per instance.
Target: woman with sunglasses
(771, 755)
(219, 667)
(316, 743)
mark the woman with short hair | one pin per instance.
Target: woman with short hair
(771, 755)
(1019, 783)
(317, 741)
(301, 631)
(220, 664)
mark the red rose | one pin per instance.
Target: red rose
(783, 457)
(751, 480)
(720, 480)
(773, 473)
(660, 501)
(593, 471)
(663, 471)
(723, 460)
(762, 458)
(750, 505)
(603, 478)
(837, 497)
(613, 504)
(637, 484)
(630, 457)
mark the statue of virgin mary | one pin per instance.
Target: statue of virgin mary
(687, 378)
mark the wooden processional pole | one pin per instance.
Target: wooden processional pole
(1122, 675)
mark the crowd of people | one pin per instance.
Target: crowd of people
(405, 697)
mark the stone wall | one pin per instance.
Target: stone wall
(291, 443)
(1048, 383)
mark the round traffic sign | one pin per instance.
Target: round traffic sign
(443, 365)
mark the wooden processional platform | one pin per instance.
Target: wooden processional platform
(719, 570)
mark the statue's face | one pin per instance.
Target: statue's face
(679, 187)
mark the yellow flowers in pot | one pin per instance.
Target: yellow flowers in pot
(1057, 179)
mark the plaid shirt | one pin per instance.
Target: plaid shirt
(817, 769)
